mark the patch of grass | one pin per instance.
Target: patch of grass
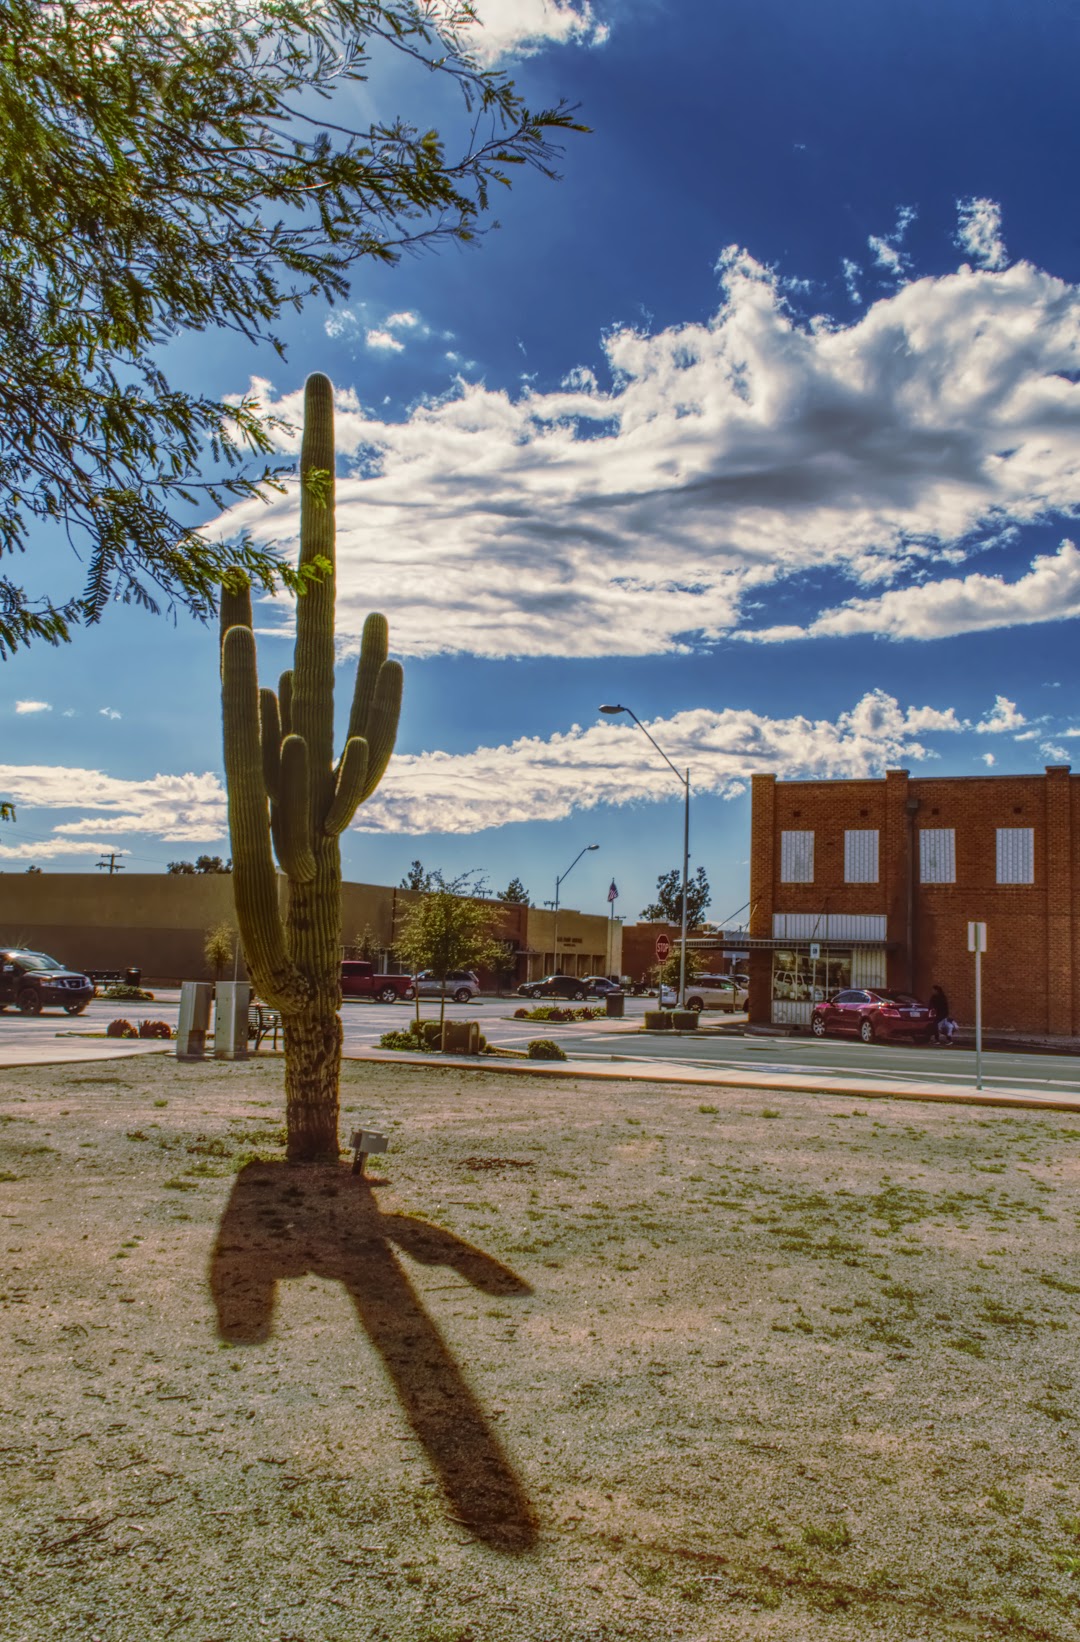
(827, 1536)
(160, 1103)
(710, 1111)
(1059, 1283)
(1000, 1499)
(180, 1185)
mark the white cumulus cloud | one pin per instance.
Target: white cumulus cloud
(1003, 716)
(537, 778)
(383, 341)
(33, 707)
(637, 516)
(522, 27)
(979, 232)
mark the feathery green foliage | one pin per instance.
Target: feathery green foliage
(167, 170)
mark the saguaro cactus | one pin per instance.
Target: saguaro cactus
(286, 789)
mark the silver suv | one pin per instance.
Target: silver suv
(461, 985)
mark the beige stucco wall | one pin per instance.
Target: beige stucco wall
(157, 922)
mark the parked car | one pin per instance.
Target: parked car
(600, 986)
(708, 992)
(359, 980)
(556, 986)
(33, 981)
(461, 985)
(873, 1012)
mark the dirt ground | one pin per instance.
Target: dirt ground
(584, 1360)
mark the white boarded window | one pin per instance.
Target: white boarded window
(937, 855)
(861, 856)
(796, 858)
(1015, 855)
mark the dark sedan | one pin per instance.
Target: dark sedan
(33, 981)
(556, 986)
(873, 1012)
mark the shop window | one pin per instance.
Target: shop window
(1016, 855)
(798, 978)
(861, 856)
(796, 858)
(937, 855)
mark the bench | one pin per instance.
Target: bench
(263, 1022)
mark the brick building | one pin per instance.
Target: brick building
(874, 882)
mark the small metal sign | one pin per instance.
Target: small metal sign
(815, 950)
(663, 947)
(976, 937)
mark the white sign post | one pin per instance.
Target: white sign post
(977, 944)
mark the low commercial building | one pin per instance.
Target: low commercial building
(874, 883)
(157, 922)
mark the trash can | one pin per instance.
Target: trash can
(133, 977)
(616, 1003)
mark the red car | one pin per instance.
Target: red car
(873, 1012)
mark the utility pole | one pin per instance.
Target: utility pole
(110, 864)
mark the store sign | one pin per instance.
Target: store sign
(976, 937)
(815, 950)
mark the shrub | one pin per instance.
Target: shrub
(544, 1049)
(399, 1040)
(155, 1029)
(120, 1029)
(657, 1020)
(521, 1014)
(120, 992)
(430, 1035)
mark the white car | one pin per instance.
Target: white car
(708, 992)
(462, 985)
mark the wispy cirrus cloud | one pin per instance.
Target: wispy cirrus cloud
(979, 232)
(750, 448)
(1049, 591)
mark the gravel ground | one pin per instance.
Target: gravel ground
(583, 1360)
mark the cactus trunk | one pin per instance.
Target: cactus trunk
(288, 795)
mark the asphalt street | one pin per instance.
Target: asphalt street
(609, 1041)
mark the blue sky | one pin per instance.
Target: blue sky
(763, 420)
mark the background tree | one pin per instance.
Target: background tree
(219, 947)
(202, 863)
(667, 908)
(418, 878)
(167, 170)
(447, 929)
(515, 894)
(366, 945)
(180, 869)
(667, 973)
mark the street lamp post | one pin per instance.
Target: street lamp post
(685, 779)
(558, 881)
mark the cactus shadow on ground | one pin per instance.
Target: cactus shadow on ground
(283, 1223)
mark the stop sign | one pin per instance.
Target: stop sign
(663, 947)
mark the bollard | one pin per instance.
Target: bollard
(194, 1020)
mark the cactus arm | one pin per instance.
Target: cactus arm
(285, 702)
(270, 736)
(350, 785)
(294, 808)
(234, 608)
(374, 647)
(254, 878)
(383, 724)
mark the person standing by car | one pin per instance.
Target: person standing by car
(939, 1003)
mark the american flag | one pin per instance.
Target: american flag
(613, 894)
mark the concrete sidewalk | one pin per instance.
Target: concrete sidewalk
(61, 1051)
(796, 1082)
